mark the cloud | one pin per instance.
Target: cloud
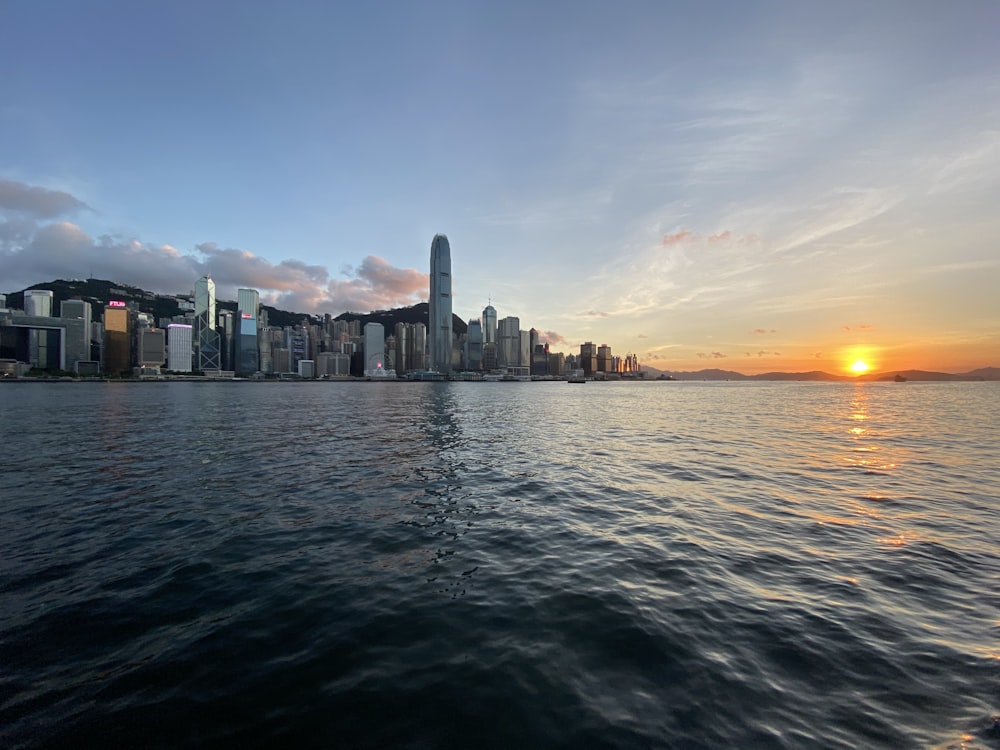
(858, 328)
(33, 252)
(37, 201)
(551, 338)
(594, 314)
(764, 330)
(673, 239)
(713, 355)
(768, 354)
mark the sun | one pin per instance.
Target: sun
(860, 367)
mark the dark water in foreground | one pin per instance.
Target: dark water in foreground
(453, 565)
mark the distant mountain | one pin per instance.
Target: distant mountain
(417, 313)
(984, 373)
(99, 291)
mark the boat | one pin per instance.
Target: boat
(899, 378)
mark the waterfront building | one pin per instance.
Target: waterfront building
(557, 364)
(524, 349)
(179, 347)
(247, 357)
(588, 359)
(604, 358)
(509, 342)
(474, 345)
(226, 328)
(281, 359)
(307, 369)
(374, 348)
(489, 325)
(439, 306)
(152, 348)
(206, 338)
(297, 343)
(490, 357)
(116, 357)
(78, 309)
(38, 303)
(42, 341)
(540, 360)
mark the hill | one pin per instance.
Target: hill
(417, 313)
(98, 291)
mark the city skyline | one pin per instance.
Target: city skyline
(772, 188)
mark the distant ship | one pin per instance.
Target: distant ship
(899, 378)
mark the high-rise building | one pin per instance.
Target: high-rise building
(439, 305)
(588, 358)
(206, 337)
(226, 329)
(474, 345)
(117, 340)
(38, 302)
(604, 358)
(179, 347)
(247, 346)
(374, 348)
(489, 325)
(78, 309)
(509, 342)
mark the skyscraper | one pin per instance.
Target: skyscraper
(117, 342)
(509, 342)
(247, 348)
(374, 349)
(489, 325)
(439, 305)
(206, 337)
(179, 347)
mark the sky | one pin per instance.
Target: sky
(749, 186)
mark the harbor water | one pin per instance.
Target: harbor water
(497, 565)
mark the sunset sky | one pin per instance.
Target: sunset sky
(752, 186)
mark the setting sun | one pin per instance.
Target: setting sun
(860, 367)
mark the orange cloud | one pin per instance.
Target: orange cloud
(673, 239)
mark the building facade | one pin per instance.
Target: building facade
(247, 359)
(439, 305)
(116, 357)
(206, 338)
(179, 346)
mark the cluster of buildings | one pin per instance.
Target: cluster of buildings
(221, 343)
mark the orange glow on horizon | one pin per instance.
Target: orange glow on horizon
(860, 367)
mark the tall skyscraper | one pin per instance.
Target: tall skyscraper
(439, 305)
(247, 346)
(206, 337)
(489, 325)
(117, 342)
(509, 342)
(374, 348)
(474, 345)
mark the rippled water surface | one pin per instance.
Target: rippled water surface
(453, 565)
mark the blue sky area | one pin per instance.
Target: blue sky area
(753, 186)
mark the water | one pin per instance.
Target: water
(455, 565)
